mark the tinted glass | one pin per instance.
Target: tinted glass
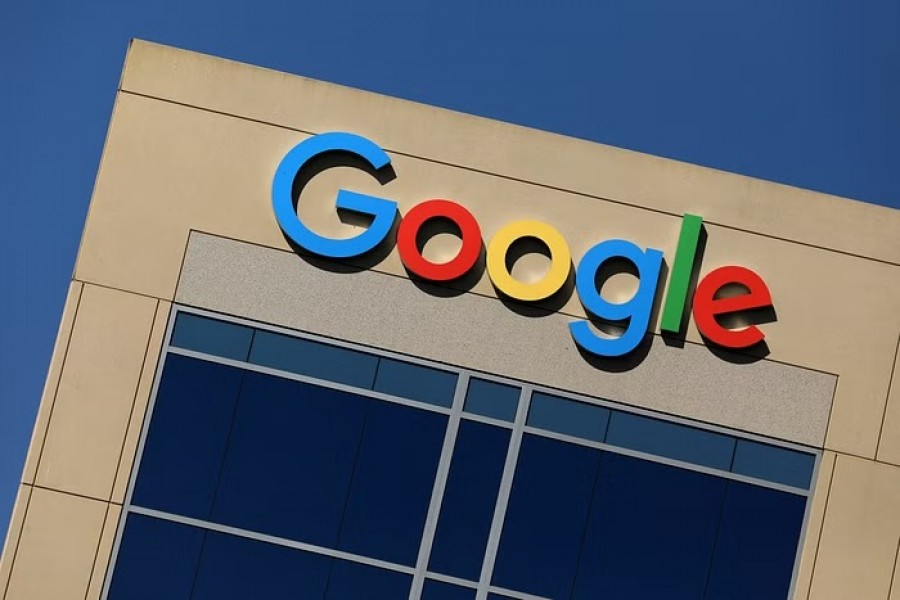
(670, 440)
(491, 399)
(568, 416)
(438, 590)
(757, 544)
(237, 568)
(545, 521)
(774, 464)
(290, 460)
(651, 532)
(313, 359)
(220, 338)
(157, 559)
(415, 382)
(186, 440)
(469, 500)
(392, 482)
(352, 581)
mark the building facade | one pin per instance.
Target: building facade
(513, 365)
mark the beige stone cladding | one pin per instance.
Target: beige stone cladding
(192, 147)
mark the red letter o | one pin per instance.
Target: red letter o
(439, 209)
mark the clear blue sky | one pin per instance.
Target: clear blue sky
(803, 92)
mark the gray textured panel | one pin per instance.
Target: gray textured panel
(480, 333)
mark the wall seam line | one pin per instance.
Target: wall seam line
(812, 573)
(894, 572)
(62, 370)
(74, 494)
(97, 552)
(887, 399)
(134, 399)
(12, 560)
(520, 180)
(118, 289)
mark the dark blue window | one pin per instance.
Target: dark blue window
(438, 590)
(415, 382)
(313, 359)
(651, 532)
(157, 559)
(290, 460)
(547, 514)
(491, 399)
(352, 581)
(671, 440)
(186, 442)
(219, 338)
(757, 543)
(392, 482)
(238, 568)
(278, 457)
(469, 500)
(774, 464)
(568, 416)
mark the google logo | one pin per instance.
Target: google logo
(709, 304)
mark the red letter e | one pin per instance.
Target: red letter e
(707, 306)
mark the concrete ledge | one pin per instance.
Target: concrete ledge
(466, 330)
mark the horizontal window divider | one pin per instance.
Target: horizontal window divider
(458, 581)
(341, 387)
(271, 539)
(486, 420)
(666, 461)
(516, 595)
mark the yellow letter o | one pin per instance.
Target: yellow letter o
(560, 261)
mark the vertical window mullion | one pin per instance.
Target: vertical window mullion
(509, 470)
(440, 484)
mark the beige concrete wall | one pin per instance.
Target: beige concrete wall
(68, 509)
(192, 146)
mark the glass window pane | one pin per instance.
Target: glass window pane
(234, 567)
(186, 441)
(392, 482)
(757, 543)
(211, 336)
(313, 359)
(547, 514)
(491, 399)
(290, 459)
(353, 581)
(780, 465)
(651, 532)
(438, 590)
(469, 500)
(157, 559)
(670, 440)
(568, 416)
(415, 382)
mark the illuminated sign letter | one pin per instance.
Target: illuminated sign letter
(680, 280)
(383, 212)
(636, 310)
(560, 261)
(707, 306)
(412, 223)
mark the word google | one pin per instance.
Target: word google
(634, 313)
